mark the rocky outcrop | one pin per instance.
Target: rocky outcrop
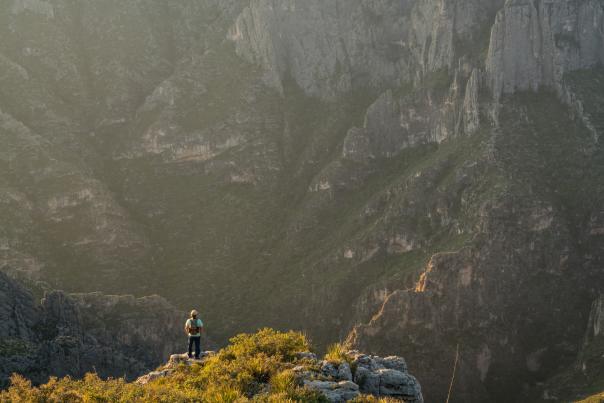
(385, 377)
(338, 381)
(169, 368)
(534, 43)
(79, 333)
(361, 374)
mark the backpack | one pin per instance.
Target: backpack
(193, 328)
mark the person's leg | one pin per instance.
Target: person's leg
(197, 346)
(191, 346)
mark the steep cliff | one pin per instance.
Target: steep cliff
(528, 254)
(331, 48)
(534, 43)
(72, 334)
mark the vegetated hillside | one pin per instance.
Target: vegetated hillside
(267, 366)
(414, 175)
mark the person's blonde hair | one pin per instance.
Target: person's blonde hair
(193, 313)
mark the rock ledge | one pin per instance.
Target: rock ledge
(338, 381)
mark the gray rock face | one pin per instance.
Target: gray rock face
(331, 47)
(339, 372)
(595, 327)
(373, 375)
(385, 377)
(383, 133)
(74, 334)
(438, 27)
(533, 43)
(393, 123)
(344, 372)
(394, 362)
(328, 47)
(471, 108)
(335, 391)
(17, 312)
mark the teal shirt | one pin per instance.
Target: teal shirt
(190, 323)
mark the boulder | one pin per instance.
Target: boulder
(335, 371)
(394, 362)
(368, 381)
(335, 391)
(329, 369)
(385, 377)
(344, 372)
(397, 383)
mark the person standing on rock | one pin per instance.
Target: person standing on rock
(194, 328)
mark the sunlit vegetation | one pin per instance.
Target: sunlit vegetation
(598, 398)
(254, 367)
(336, 353)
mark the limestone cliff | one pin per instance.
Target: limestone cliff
(534, 43)
(72, 334)
(330, 48)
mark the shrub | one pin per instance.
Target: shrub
(270, 342)
(284, 382)
(336, 353)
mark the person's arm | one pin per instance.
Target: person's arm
(187, 326)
